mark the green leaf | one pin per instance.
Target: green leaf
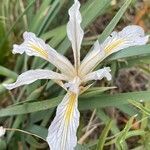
(92, 9)
(95, 90)
(114, 21)
(104, 100)
(120, 140)
(2, 144)
(34, 143)
(138, 132)
(40, 14)
(2, 88)
(92, 102)
(7, 73)
(15, 23)
(38, 130)
(105, 118)
(102, 138)
(136, 51)
(129, 110)
(35, 94)
(5, 46)
(81, 147)
(140, 106)
(48, 18)
(15, 124)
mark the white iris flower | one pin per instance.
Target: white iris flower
(62, 131)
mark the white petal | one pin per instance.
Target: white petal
(91, 59)
(130, 36)
(33, 75)
(34, 46)
(2, 131)
(62, 131)
(74, 31)
(98, 75)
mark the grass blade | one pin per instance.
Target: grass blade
(135, 51)
(18, 19)
(95, 101)
(103, 136)
(114, 21)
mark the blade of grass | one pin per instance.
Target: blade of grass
(102, 138)
(40, 14)
(135, 51)
(7, 73)
(129, 110)
(120, 140)
(114, 21)
(18, 19)
(95, 101)
(105, 118)
(54, 6)
(140, 106)
(2, 88)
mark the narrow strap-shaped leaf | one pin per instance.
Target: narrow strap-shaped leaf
(110, 27)
(15, 23)
(102, 138)
(93, 101)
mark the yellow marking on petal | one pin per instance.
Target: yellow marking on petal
(39, 50)
(68, 116)
(70, 108)
(109, 48)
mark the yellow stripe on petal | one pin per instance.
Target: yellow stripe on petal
(70, 108)
(68, 118)
(34, 46)
(62, 131)
(130, 36)
(40, 51)
(112, 46)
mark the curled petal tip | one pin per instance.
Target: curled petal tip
(107, 69)
(105, 72)
(147, 38)
(17, 49)
(6, 86)
(27, 35)
(99, 74)
(9, 86)
(2, 131)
